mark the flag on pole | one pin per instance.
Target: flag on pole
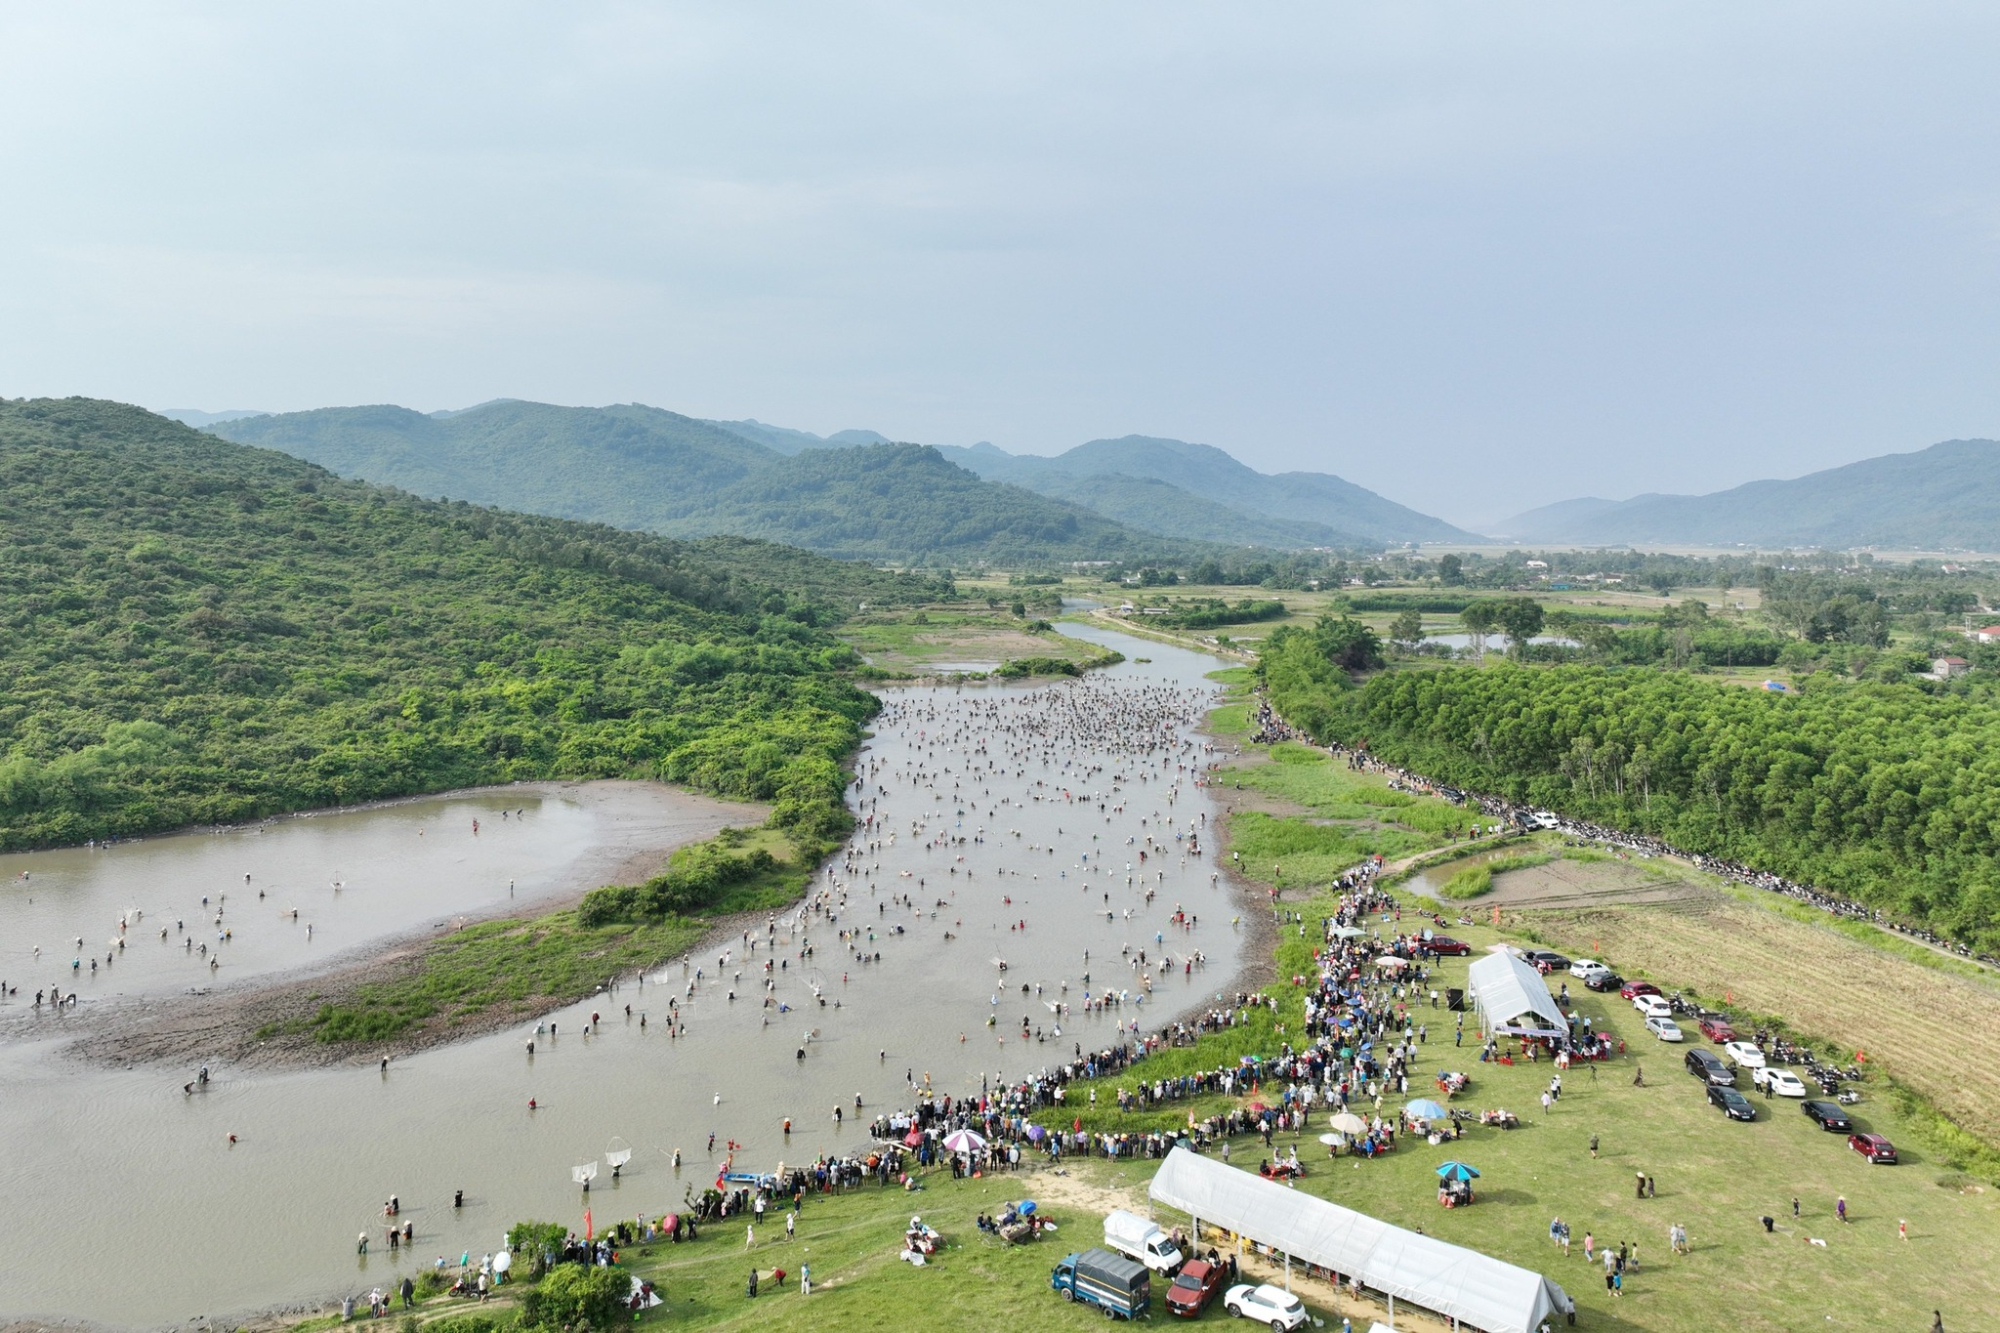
(586, 1224)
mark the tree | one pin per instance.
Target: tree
(1522, 619)
(1479, 619)
(1406, 631)
(1346, 642)
(577, 1293)
(1451, 570)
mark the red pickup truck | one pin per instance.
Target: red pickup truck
(1194, 1287)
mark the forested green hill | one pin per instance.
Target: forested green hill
(1889, 794)
(657, 471)
(905, 502)
(197, 631)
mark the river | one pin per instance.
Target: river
(131, 1206)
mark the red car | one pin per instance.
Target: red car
(1717, 1030)
(1194, 1287)
(1633, 989)
(1874, 1147)
(1445, 944)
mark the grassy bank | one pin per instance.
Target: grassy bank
(504, 970)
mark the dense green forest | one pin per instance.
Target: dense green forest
(1888, 794)
(651, 470)
(196, 631)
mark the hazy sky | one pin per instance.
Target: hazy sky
(1474, 256)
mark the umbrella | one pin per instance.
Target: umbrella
(1346, 1021)
(1027, 1208)
(1424, 1109)
(1457, 1171)
(1036, 1133)
(1349, 1123)
(913, 1138)
(1390, 960)
(963, 1140)
(1329, 1139)
(1345, 933)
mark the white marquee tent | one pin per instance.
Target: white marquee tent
(1463, 1285)
(1512, 998)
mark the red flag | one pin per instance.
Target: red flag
(586, 1224)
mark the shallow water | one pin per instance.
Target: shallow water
(246, 903)
(177, 1221)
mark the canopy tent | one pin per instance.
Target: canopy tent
(1474, 1289)
(1512, 998)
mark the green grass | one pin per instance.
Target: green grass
(1467, 883)
(514, 966)
(1331, 790)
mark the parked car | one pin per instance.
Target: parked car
(1705, 1066)
(1665, 1029)
(1744, 1053)
(1194, 1287)
(1781, 1081)
(1603, 981)
(1445, 944)
(1267, 1305)
(1546, 960)
(1874, 1147)
(1732, 1103)
(1113, 1283)
(1139, 1238)
(1583, 969)
(1632, 990)
(1828, 1116)
(1717, 1030)
(1652, 1006)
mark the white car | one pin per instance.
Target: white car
(1267, 1305)
(1583, 969)
(1781, 1081)
(1665, 1029)
(1744, 1053)
(1652, 1006)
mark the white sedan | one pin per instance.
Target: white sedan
(1652, 1006)
(1781, 1081)
(1267, 1305)
(1665, 1029)
(1744, 1053)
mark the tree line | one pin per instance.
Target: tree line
(1887, 794)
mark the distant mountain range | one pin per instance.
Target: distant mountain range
(1946, 497)
(646, 469)
(1174, 488)
(853, 494)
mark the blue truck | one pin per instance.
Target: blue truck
(1115, 1284)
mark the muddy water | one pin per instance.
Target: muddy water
(213, 910)
(124, 1168)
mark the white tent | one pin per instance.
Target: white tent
(1474, 1289)
(1512, 997)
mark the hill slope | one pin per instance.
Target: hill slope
(646, 469)
(1336, 512)
(197, 631)
(1946, 496)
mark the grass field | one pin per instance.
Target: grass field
(936, 638)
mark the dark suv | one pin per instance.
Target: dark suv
(1603, 981)
(1705, 1066)
(1547, 960)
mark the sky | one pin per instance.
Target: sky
(1475, 257)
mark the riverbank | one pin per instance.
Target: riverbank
(262, 1023)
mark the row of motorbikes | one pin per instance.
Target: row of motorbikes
(1779, 1051)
